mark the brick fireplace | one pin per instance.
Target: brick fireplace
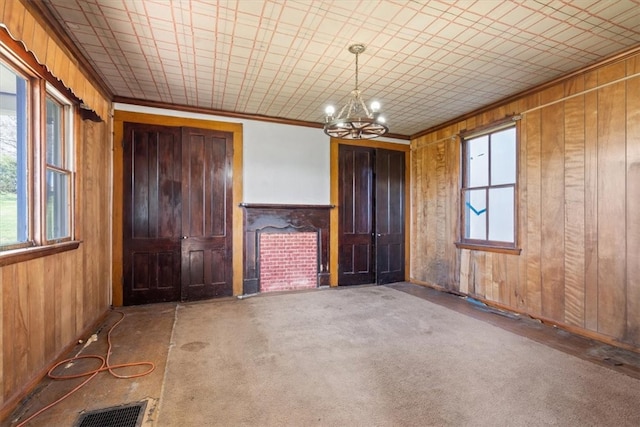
(288, 261)
(300, 236)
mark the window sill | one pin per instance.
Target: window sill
(21, 255)
(489, 248)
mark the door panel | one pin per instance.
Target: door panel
(356, 216)
(152, 214)
(389, 183)
(206, 221)
(371, 216)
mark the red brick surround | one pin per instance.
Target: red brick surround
(288, 261)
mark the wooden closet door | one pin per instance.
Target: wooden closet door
(206, 214)
(152, 211)
(356, 256)
(389, 242)
(177, 214)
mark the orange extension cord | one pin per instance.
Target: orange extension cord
(105, 366)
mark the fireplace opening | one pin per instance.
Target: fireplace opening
(288, 261)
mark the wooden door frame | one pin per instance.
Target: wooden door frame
(335, 182)
(118, 158)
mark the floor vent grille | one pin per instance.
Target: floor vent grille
(118, 416)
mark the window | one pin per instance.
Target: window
(36, 161)
(58, 170)
(488, 193)
(14, 168)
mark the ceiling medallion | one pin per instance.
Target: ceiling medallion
(355, 120)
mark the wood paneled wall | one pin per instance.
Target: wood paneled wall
(47, 303)
(578, 207)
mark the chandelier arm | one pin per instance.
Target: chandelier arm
(344, 107)
(364, 107)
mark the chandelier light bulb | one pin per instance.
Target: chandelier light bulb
(380, 119)
(329, 111)
(375, 106)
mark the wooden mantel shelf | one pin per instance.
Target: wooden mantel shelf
(283, 206)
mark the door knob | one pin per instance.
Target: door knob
(185, 237)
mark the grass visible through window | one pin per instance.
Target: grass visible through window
(8, 218)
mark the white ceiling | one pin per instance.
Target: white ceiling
(426, 62)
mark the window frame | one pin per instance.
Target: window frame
(40, 85)
(486, 244)
(67, 168)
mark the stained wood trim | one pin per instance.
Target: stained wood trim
(334, 216)
(224, 113)
(375, 143)
(495, 126)
(22, 255)
(488, 248)
(581, 93)
(283, 206)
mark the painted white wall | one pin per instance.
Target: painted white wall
(285, 164)
(282, 164)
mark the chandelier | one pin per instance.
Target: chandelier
(355, 120)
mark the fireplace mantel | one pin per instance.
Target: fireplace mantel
(262, 217)
(283, 206)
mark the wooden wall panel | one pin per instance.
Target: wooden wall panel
(417, 269)
(437, 162)
(499, 284)
(577, 207)
(552, 207)
(440, 242)
(36, 314)
(452, 223)
(520, 286)
(465, 269)
(633, 202)
(611, 205)
(574, 189)
(531, 128)
(431, 210)
(591, 204)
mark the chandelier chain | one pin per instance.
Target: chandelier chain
(357, 53)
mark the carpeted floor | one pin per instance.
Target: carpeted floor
(374, 356)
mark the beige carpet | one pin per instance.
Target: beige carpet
(374, 356)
